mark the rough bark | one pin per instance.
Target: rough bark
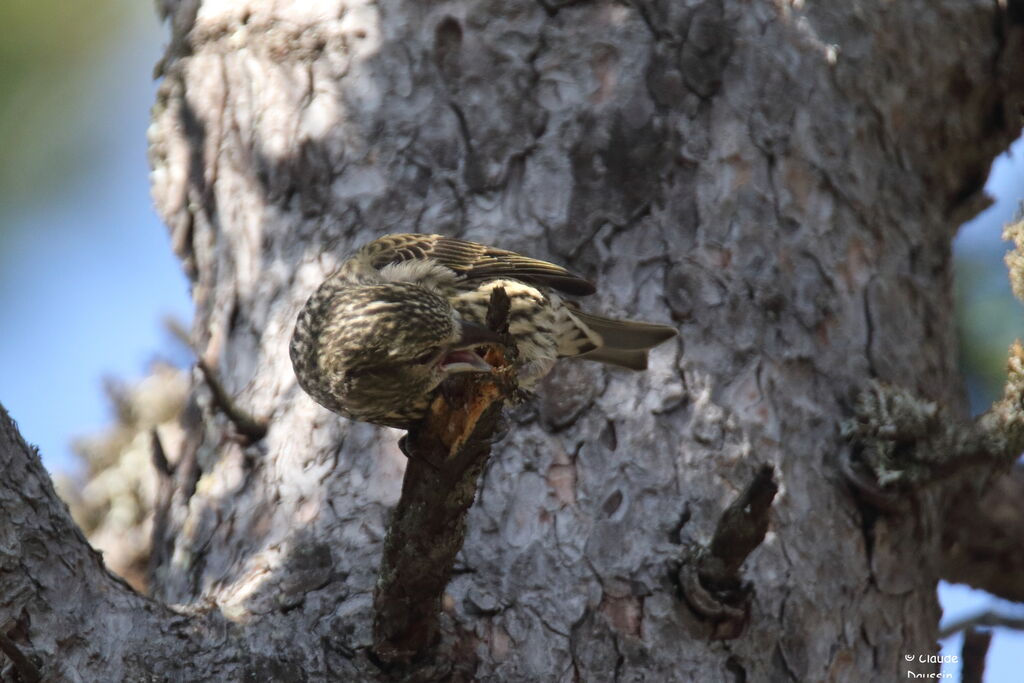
(67, 616)
(780, 181)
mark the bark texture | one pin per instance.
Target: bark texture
(780, 180)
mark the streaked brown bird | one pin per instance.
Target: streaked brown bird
(406, 311)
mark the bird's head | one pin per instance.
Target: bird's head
(379, 351)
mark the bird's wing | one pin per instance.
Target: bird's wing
(473, 260)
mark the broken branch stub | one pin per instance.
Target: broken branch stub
(447, 452)
(709, 576)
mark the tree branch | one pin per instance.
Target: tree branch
(989, 618)
(972, 655)
(253, 429)
(446, 453)
(902, 442)
(72, 618)
(48, 571)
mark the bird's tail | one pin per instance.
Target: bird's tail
(621, 342)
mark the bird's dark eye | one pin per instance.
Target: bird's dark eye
(426, 357)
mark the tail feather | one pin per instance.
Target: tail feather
(626, 335)
(617, 342)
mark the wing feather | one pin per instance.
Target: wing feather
(472, 260)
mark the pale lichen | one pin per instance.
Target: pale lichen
(905, 441)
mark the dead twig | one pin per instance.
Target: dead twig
(972, 655)
(245, 424)
(989, 618)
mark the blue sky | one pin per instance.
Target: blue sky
(87, 276)
(982, 234)
(86, 273)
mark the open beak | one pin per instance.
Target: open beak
(462, 358)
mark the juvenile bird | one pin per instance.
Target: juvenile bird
(406, 311)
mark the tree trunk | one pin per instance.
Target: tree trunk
(779, 181)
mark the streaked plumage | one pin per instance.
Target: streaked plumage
(405, 311)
